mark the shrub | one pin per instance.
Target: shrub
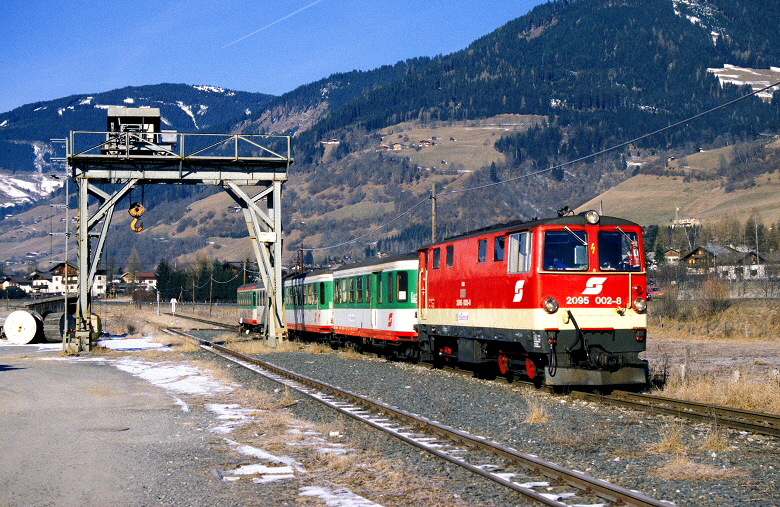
(715, 295)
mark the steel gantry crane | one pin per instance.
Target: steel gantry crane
(133, 151)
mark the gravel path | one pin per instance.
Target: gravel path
(612, 444)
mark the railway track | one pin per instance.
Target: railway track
(756, 422)
(528, 475)
(232, 327)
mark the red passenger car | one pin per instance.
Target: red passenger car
(559, 300)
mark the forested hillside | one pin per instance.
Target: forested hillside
(600, 72)
(547, 90)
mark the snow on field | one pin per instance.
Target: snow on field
(756, 78)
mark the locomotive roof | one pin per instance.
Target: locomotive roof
(254, 285)
(578, 219)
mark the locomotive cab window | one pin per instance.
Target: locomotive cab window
(519, 252)
(498, 249)
(436, 258)
(481, 251)
(450, 260)
(565, 250)
(619, 251)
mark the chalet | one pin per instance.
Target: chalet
(18, 282)
(425, 142)
(58, 285)
(40, 282)
(143, 280)
(747, 266)
(672, 257)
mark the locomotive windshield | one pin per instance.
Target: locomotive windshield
(619, 251)
(565, 250)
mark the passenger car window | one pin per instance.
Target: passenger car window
(402, 284)
(619, 251)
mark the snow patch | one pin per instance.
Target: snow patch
(207, 88)
(173, 377)
(188, 109)
(233, 416)
(338, 497)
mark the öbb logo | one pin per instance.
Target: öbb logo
(594, 285)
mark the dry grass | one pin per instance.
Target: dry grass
(715, 440)
(537, 412)
(683, 469)
(760, 395)
(671, 439)
(382, 480)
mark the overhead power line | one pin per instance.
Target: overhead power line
(551, 168)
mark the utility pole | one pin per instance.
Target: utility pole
(433, 213)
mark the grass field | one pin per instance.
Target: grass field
(467, 145)
(650, 199)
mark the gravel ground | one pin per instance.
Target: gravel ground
(612, 444)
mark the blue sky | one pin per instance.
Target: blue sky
(55, 48)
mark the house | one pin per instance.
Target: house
(730, 263)
(40, 282)
(58, 274)
(100, 284)
(704, 259)
(56, 284)
(672, 257)
(143, 280)
(425, 142)
(743, 266)
(18, 282)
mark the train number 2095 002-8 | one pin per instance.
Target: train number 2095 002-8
(599, 300)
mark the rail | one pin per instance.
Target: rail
(756, 422)
(379, 412)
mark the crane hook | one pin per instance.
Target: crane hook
(136, 210)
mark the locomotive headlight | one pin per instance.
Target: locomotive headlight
(592, 217)
(640, 305)
(550, 304)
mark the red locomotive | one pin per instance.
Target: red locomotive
(558, 300)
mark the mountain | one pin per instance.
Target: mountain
(567, 80)
(27, 130)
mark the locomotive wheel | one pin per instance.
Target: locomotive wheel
(504, 363)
